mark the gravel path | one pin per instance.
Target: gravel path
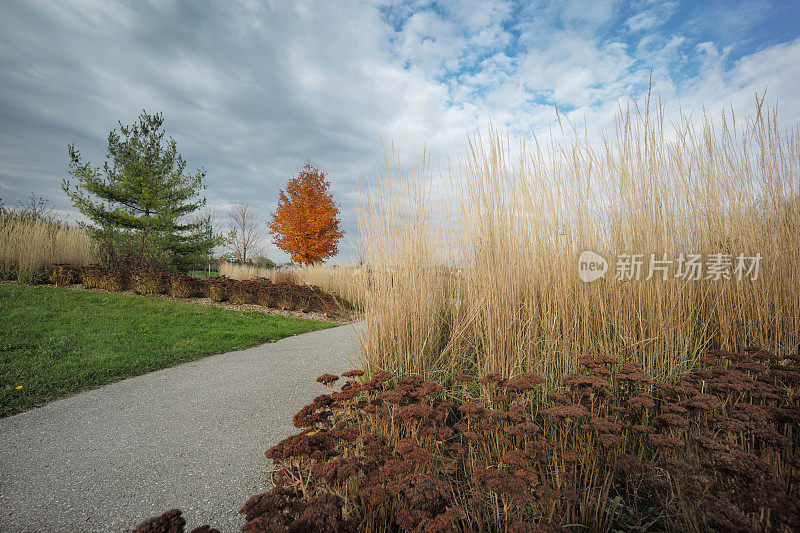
(191, 437)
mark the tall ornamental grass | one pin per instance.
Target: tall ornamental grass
(475, 269)
(246, 272)
(346, 282)
(28, 248)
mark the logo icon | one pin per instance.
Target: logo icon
(591, 266)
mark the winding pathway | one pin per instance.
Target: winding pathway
(192, 436)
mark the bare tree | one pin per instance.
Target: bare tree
(244, 236)
(35, 208)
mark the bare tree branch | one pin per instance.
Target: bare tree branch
(244, 238)
(35, 209)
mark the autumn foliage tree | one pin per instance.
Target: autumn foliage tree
(305, 223)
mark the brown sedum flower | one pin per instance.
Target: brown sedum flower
(327, 379)
(671, 420)
(641, 401)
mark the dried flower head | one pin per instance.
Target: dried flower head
(666, 441)
(641, 401)
(327, 379)
(702, 402)
(673, 408)
(382, 375)
(415, 410)
(492, 377)
(471, 408)
(170, 521)
(671, 420)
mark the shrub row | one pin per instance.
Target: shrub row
(282, 295)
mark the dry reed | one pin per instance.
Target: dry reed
(345, 282)
(495, 287)
(245, 272)
(27, 246)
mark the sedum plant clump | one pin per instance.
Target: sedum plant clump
(612, 449)
(112, 281)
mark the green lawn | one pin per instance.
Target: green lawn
(55, 342)
(203, 274)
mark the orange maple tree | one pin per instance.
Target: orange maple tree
(304, 225)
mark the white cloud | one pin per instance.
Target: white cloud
(645, 20)
(648, 19)
(251, 90)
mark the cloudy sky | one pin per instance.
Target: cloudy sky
(251, 90)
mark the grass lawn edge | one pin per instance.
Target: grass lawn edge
(57, 342)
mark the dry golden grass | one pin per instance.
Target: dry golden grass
(343, 281)
(26, 246)
(243, 272)
(512, 226)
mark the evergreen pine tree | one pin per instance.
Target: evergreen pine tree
(140, 203)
